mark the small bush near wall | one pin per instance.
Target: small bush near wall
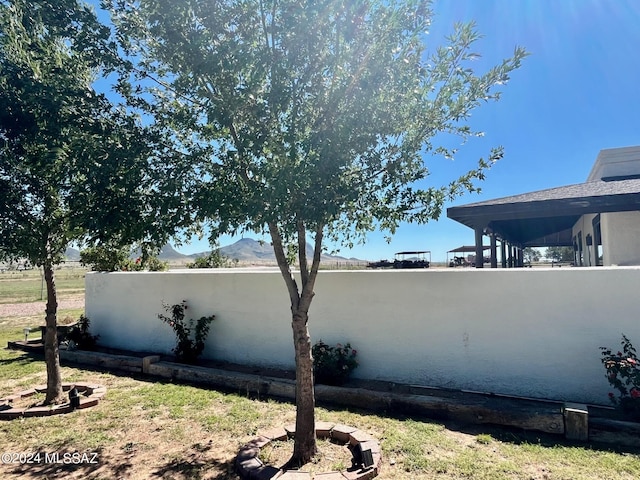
(623, 373)
(80, 335)
(187, 349)
(333, 365)
(115, 259)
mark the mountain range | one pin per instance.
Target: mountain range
(246, 250)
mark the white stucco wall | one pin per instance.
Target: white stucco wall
(614, 162)
(621, 238)
(530, 332)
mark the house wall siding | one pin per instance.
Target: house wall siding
(614, 162)
(621, 238)
(529, 332)
(585, 226)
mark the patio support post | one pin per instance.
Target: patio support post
(494, 253)
(503, 254)
(479, 250)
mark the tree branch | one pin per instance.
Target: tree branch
(302, 251)
(290, 281)
(307, 291)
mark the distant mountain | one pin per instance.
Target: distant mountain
(246, 250)
(250, 250)
(169, 253)
(72, 254)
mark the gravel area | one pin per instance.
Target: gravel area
(34, 308)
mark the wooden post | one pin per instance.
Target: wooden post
(479, 250)
(494, 253)
(576, 421)
(147, 361)
(503, 253)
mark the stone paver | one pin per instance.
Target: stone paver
(359, 436)
(329, 476)
(278, 433)
(293, 475)
(360, 474)
(266, 473)
(91, 394)
(323, 429)
(291, 430)
(249, 466)
(341, 432)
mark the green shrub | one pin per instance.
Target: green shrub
(213, 260)
(154, 264)
(188, 348)
(103, 258)
(80, 335)
(107, 258)
(333, 365)
(623, 373)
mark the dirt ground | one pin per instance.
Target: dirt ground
(34, 308)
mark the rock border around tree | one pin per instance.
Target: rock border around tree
(89, 395)
(249, 466)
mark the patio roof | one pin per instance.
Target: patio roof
(467, 249)
(545, 217)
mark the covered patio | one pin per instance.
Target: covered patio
(544, 218)
(460, 261)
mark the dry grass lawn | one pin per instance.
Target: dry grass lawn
(146, 429)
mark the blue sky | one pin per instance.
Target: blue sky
(577, 93)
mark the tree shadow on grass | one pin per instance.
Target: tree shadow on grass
(513, 435)
(192, 468)
(17, 361)
(63, 463)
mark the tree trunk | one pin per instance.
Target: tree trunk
(304, 447)
(51, 355)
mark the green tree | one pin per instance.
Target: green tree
(104, 258)
(115, 258)
(560, 254)
(214, 259)
(69, 161)
(308, 118)
(531, 255)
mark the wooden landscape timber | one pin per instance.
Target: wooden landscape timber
(570, 420)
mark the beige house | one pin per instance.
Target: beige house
(599, 218)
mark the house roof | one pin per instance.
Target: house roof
(467, 249)
(545, 217)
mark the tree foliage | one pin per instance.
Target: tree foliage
(322, 112)
(70, 160)
(307, 117)
(114, 258)
(214, 259)
(560, 254)
(531, 255)
(71, 164)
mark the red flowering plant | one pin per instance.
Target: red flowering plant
(623, 373)
(188, 346)
(333, 365)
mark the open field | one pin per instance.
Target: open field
(29, 286)
(146, 428)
